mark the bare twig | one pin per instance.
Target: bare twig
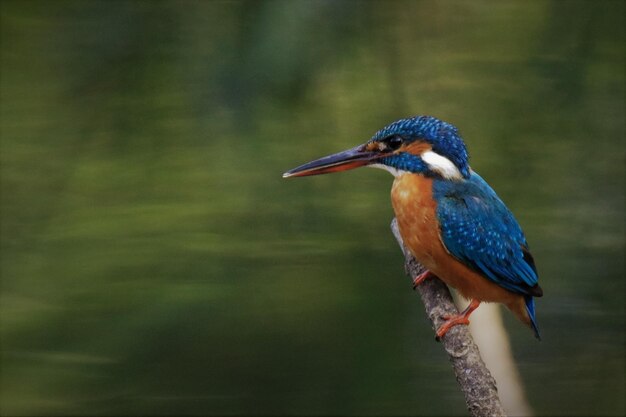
(477, 384)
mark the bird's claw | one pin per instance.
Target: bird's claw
(451, 321)
(421, 278)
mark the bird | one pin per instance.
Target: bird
(450, 219)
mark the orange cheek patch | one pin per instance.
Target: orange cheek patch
(373, 147)
(416, 148)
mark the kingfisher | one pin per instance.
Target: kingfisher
(450, 219)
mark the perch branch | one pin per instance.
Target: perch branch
(477, 384)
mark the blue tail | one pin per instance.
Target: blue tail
(530, 309)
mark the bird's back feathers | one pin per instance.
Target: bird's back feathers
(479, 230)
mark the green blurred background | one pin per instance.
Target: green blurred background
(153, 260)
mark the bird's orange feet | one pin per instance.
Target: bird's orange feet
(456, 319)
(421, 278)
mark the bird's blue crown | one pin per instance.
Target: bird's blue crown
(443, 137)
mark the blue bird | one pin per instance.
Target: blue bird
(451, 220)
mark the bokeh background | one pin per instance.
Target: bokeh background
(153, 260)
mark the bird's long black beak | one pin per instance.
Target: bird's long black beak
(342, 161)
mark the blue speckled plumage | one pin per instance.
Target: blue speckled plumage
(480, 231)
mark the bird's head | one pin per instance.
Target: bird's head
(422, 145)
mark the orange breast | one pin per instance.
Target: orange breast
(416, 211)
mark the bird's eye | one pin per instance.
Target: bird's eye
(394, 142)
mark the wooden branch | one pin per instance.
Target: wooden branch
(477, 384)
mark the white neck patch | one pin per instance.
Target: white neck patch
(442, 165)
(394, 171)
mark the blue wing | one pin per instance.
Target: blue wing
(479, 230)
